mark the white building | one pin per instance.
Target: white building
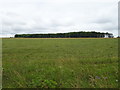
(106, 36)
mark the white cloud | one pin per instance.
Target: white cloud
(52, 16)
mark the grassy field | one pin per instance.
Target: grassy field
(60, 63)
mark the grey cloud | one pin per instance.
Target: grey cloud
(46, 17)
(110, 27)
(10, 23)
(103, 20)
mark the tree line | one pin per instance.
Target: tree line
(81, 34)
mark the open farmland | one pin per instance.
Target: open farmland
(60, 63)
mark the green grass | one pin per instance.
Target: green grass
(60, 63)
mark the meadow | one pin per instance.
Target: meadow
(60, 63)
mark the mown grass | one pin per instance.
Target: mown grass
(60, 63)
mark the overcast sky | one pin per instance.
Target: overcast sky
(53, 16)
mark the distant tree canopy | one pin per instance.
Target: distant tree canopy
(81, 34)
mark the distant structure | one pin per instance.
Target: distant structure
(108, 35)
(81, 34)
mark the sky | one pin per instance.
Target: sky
(57, 16)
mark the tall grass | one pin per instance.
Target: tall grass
(60, 63)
